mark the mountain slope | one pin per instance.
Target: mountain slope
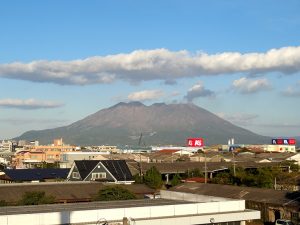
(159, 123)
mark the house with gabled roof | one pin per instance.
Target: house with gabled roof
(111, 171)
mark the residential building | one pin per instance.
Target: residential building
(111, 171)
(6, 146)
(67, 158)
(33, 155)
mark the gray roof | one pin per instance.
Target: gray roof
(64, 191)
(118, 168)
(182, 167)
(268, 196)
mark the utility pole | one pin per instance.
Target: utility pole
(140, 154)
(205, 169)
(234, 173)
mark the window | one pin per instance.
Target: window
(75, 175)
(96, 176)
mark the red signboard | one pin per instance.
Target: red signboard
(292, 141)
(195, 142)
(284, 141)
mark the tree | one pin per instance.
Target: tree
(153, 178)
(193, 173)
(114, 193)
(3, 203)
(138, 179)
(176, 180)
(36, 198)
(223, 178)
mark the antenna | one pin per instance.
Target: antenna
(140, 139)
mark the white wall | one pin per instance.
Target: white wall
(141, 216)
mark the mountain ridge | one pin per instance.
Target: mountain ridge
(160, 123)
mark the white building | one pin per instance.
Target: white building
(279, 148)
(6, 146)
(68, 158)
(174, 208)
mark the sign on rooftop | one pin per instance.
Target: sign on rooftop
(284, 141)
(195, 142)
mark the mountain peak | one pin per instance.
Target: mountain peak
(133, 103)
(159, 104)
(160, 124)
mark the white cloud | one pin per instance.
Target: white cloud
(157, 64)
(198, 90)
(146, 95)
(292, 91)
(248, 86)
(28, 104)
(25, 121)
(240, 119)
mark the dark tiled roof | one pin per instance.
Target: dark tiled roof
(118, 169)
(35, 174)
(64, 191)
(268, 196)
(85, 167)
(182, 167)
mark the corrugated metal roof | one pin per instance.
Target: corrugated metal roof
(69, 191)
(268, 196)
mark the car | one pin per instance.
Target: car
(283, 222)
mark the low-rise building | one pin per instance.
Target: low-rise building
(67, 158)
(172, 208)
(273, 204)
(6, 146)
(279, 148)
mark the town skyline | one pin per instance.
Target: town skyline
(62, 61)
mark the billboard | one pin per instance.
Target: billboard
(284, 141)
(195, 142)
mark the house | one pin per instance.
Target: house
(33, 175)
(112, 171)
(295, 158)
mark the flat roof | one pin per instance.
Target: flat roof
(11, 210)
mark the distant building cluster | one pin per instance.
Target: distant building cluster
(30, 154)
(29, 162)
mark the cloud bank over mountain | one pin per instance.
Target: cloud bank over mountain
(157, 64)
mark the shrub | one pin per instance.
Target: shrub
(114, 193)
(36, 198)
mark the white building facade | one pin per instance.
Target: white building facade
(6, 146)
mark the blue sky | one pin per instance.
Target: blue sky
(63, 60)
